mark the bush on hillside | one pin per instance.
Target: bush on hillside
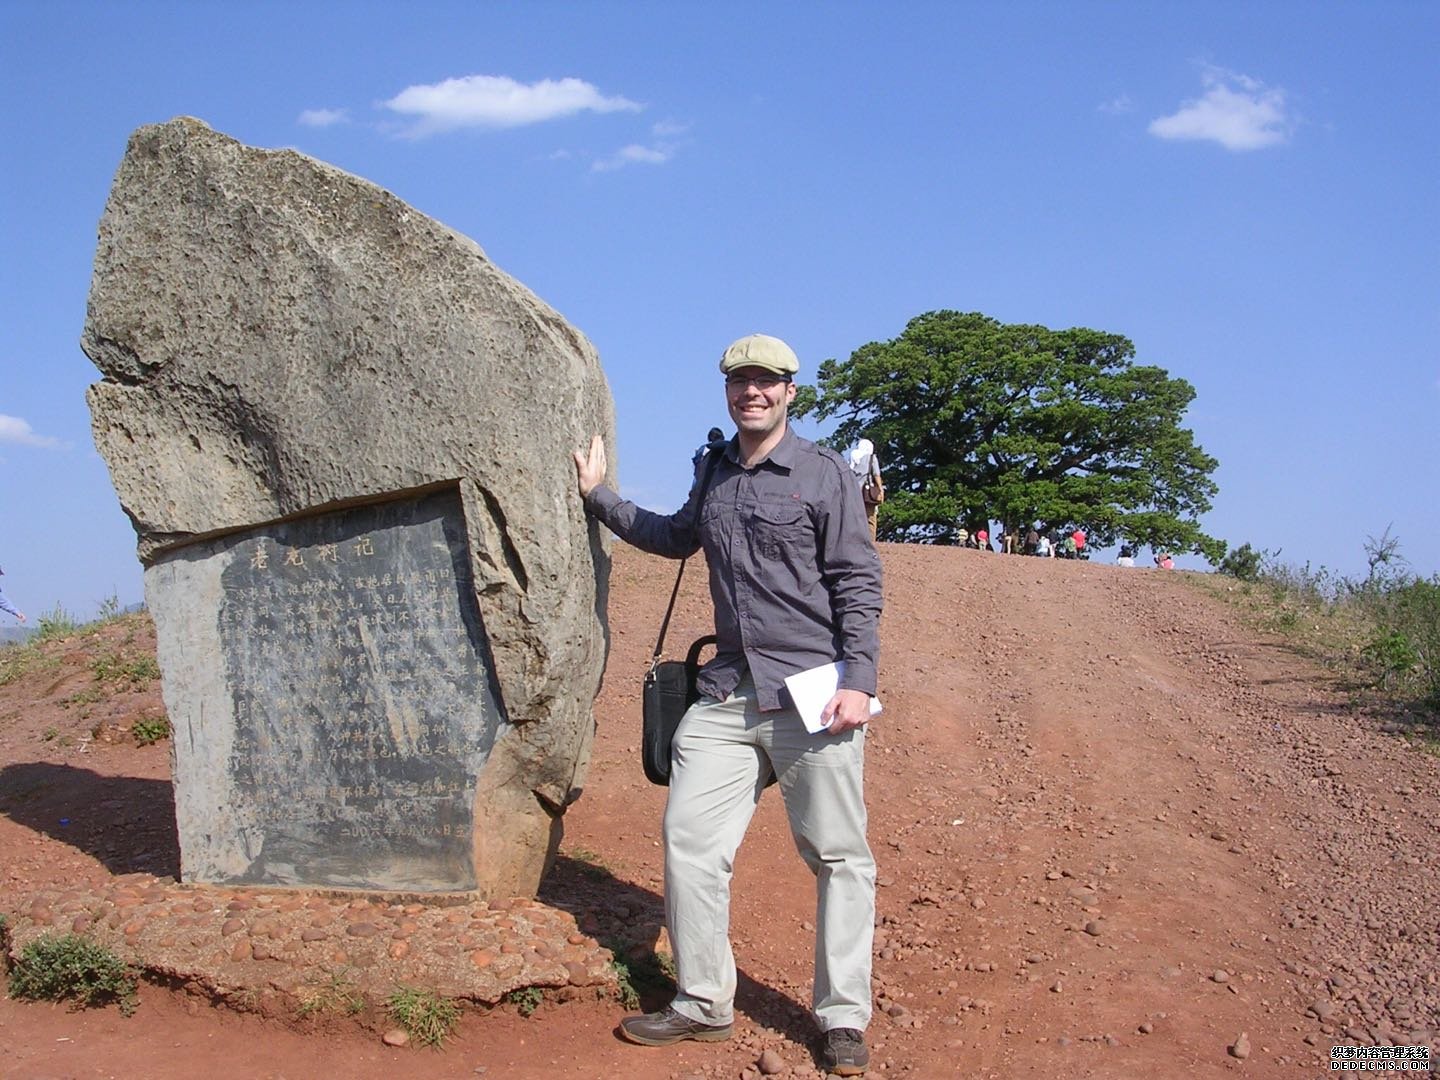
(1387, 624)
(1244, 563)
(1408, 615)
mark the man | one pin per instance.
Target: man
(5, 604)
(866, 467)
(714, 440)
(796, 584)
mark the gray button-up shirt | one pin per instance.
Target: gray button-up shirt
(793, 574)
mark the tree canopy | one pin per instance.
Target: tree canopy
(975, 420)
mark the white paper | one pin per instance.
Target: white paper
(812, 690)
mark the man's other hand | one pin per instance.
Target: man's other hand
(590, 468)
(847, 709)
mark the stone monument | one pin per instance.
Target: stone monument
(343, 437)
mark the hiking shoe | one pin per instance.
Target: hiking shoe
(668, 1026)
(844, 1052)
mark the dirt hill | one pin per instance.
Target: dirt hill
(1119, 835)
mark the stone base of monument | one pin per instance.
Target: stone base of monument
(273, 951)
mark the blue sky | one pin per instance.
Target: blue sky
(1247, 191)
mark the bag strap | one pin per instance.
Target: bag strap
(712, 459)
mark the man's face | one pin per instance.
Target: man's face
(758, 400)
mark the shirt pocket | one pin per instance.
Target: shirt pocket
(779, 531)
(717, 522)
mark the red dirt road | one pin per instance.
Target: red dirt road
(1115, 830)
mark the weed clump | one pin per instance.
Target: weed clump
(150, 729)
(337, 994)
(72, 967)
(426, 1017)
(526, 999)
(650, 974)
(135, 671)
(56, 624)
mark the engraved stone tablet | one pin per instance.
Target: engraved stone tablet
(282, 343)
(330, 692)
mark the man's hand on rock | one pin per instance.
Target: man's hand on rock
(590, 468)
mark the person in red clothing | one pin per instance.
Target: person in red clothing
(1079, 537)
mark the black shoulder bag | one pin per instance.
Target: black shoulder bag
(669, 687)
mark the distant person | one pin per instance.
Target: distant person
(1032, 542)
(962, 537)
(1127, 556)
(1042, 546)
(1079, 537)
(1164, 560)
(5, 604)
(982, 539)
(714, 440)
(866, 468)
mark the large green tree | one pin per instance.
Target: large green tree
(975, 420)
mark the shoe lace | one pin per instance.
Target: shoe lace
(844, 1035)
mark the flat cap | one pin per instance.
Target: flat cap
(762, 351)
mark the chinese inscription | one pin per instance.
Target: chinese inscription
(363, 707)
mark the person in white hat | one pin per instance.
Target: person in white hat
(866, 467)
(795, 581)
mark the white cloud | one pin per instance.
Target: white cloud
(322, 117)
(15, 430)
(1236, 111)
(633, 154)
(667, 138)
(497, 101)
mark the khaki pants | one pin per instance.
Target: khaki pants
(723, 755)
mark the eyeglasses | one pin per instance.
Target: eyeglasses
(763, 383)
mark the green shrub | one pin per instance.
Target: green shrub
(526, 999)
(625, 991)
(1243, 563)
(56, 624)
(649, 974)
(72, 967)
(138, 671)
(428, 1018)
(150, 729)
(1393, 654)
(1412, 611)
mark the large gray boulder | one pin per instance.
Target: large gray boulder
(283, 343)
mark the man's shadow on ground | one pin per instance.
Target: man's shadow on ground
(125, 823)
(627, 919)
